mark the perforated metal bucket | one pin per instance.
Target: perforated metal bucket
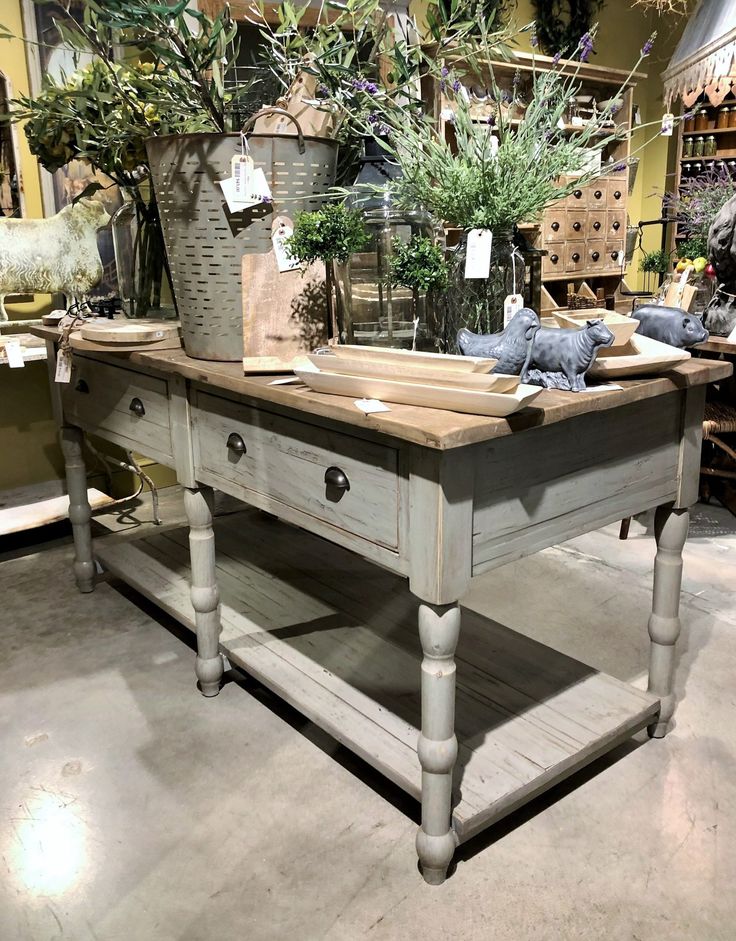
(205, 243)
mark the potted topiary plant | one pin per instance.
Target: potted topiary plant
(420, 266)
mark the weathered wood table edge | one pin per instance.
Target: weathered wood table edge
(458, 513)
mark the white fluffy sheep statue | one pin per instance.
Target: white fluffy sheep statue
(50, 256)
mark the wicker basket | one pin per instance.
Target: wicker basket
(205, 243)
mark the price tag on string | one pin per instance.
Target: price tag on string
(668, 124)
(63, 366)
(478, 255)
(242, 168)
(281, 232)
(512, 302)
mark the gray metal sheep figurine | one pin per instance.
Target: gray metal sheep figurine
(560, 358)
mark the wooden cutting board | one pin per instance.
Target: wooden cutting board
(131, 331)
(284, 313)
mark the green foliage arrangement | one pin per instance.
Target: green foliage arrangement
(699, 200)
(471, 183)
(694, 247)
(418, 264)
(561, 24)
(332, 233)
(658, 262)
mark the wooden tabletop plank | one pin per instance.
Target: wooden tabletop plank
(434, 428)
(718, 345)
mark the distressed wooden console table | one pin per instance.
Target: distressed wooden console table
(412, 503)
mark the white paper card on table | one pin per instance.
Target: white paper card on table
(478, 255)
(512, 304)
(284, 260)
(63, 367)
(668, 124)
(605, 387)
(14, 352)
(285, 380)
(369, 406)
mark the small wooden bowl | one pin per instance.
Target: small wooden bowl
(621, 326)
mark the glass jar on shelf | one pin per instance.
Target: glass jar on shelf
(699, 146)
(724, 114)
(710, 148)
(687, 147)
(688, 125)
(701, 120)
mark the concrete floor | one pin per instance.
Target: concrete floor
(134, 809)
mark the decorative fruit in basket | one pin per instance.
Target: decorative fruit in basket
(710, 271)
(700, 264)
(682, 264)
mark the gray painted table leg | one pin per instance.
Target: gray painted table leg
(204, 592)
(79, 509)
(439, 628)
(670, 528)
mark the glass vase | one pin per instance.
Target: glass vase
(477, 303)
(140, 257)
(370, 310)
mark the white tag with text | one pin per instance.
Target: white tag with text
(284, 260)
(512, 304)
(63, 367)
(242, 174)
(478, 257)
(668, 124)
(14, 352)
(369, 406)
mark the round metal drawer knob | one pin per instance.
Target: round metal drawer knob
(598, 194)
(616, 226)
(577, 226)
(554, 259)
(614, 255)
(576, 256)
(595, 256)
(596, 225)
(555, 226)
(235, 443)
(617, 194)
(578, 194)
(336, 478)
(136, 407)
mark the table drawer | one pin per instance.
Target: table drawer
(616, 192)
(553, 225)
(578, 199)
(576, 224)
(575, 258)
(130, 405)
(597, 195)
(553, 262)
(287, 461)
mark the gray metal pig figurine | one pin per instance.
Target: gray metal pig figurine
(512, 347)
(560, 358)
(671, 325)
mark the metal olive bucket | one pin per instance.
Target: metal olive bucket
(205, 243)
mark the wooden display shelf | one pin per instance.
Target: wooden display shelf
(337, 638)
(713, 130)
(728, 156)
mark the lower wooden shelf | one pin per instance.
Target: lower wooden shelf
(337, 638)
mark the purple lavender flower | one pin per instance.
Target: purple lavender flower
(266, 199)
(322, 91)
(556, 58)
(445, 71)
(506, 97)
(362, 84)
(371, 88)
(490, 120)
(443, 84)
(649, 44)
(456, 85)
(534, 40)
(516, 81)
(619, 167)
(585, 46)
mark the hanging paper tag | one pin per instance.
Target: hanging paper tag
(512, 304)
(478, 257)
(234, 203)
(14, 352)
(284, 260)
(242, 174)
(668, 124)
(63, 366)
(260, 191)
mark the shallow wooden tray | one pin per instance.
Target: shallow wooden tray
(408, 372)
(444, 361)
(621, 326)
(492, 404)
(641, 356)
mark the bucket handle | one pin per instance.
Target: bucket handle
(253, 118)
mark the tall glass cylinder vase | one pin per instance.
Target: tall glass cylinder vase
(371, 310)
(478, 303)
(140, 257)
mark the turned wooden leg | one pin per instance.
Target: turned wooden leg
(439, 628)
(204, 592)
(670, 529)
(79, 509)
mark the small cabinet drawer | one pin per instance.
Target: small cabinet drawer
(578, 199)
(597, 195)
(554, 261)
(595, 253)
(575, 257)
(576, 226)
(131, 407)
(614, 254)
(615, 223)
(553, 225)
(616, 194)
(345, 481)
(596, 228)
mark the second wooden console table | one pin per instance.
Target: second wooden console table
(433, 498)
